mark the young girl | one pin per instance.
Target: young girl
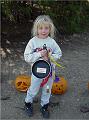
(43, 33)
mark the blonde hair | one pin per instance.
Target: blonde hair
(43, 20)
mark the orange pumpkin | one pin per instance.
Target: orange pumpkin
(22, 82)
(59, 85)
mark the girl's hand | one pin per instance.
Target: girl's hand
(44, 54)
(45, 58)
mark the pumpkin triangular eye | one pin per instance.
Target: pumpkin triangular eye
(19, 83)
(24, 84)
(59, 89)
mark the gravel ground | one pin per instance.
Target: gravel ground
(75, 58)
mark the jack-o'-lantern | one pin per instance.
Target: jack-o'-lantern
(22, 82)
(59, 85)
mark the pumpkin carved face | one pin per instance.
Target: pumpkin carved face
(59, 85)
(22, 82)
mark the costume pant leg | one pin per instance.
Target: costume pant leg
(46, 95)
(33, 89)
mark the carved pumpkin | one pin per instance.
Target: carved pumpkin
(59, 85)
(22, 82)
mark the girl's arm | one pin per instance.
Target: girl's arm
(56, 53)
(29, 55)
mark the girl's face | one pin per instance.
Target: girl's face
(43, 31)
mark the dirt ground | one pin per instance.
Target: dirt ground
(75, 59)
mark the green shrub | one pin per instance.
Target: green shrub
(68, 16)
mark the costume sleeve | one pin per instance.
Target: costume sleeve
(56, 53)
(30, 55)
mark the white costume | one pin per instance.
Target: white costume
(31, 54)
